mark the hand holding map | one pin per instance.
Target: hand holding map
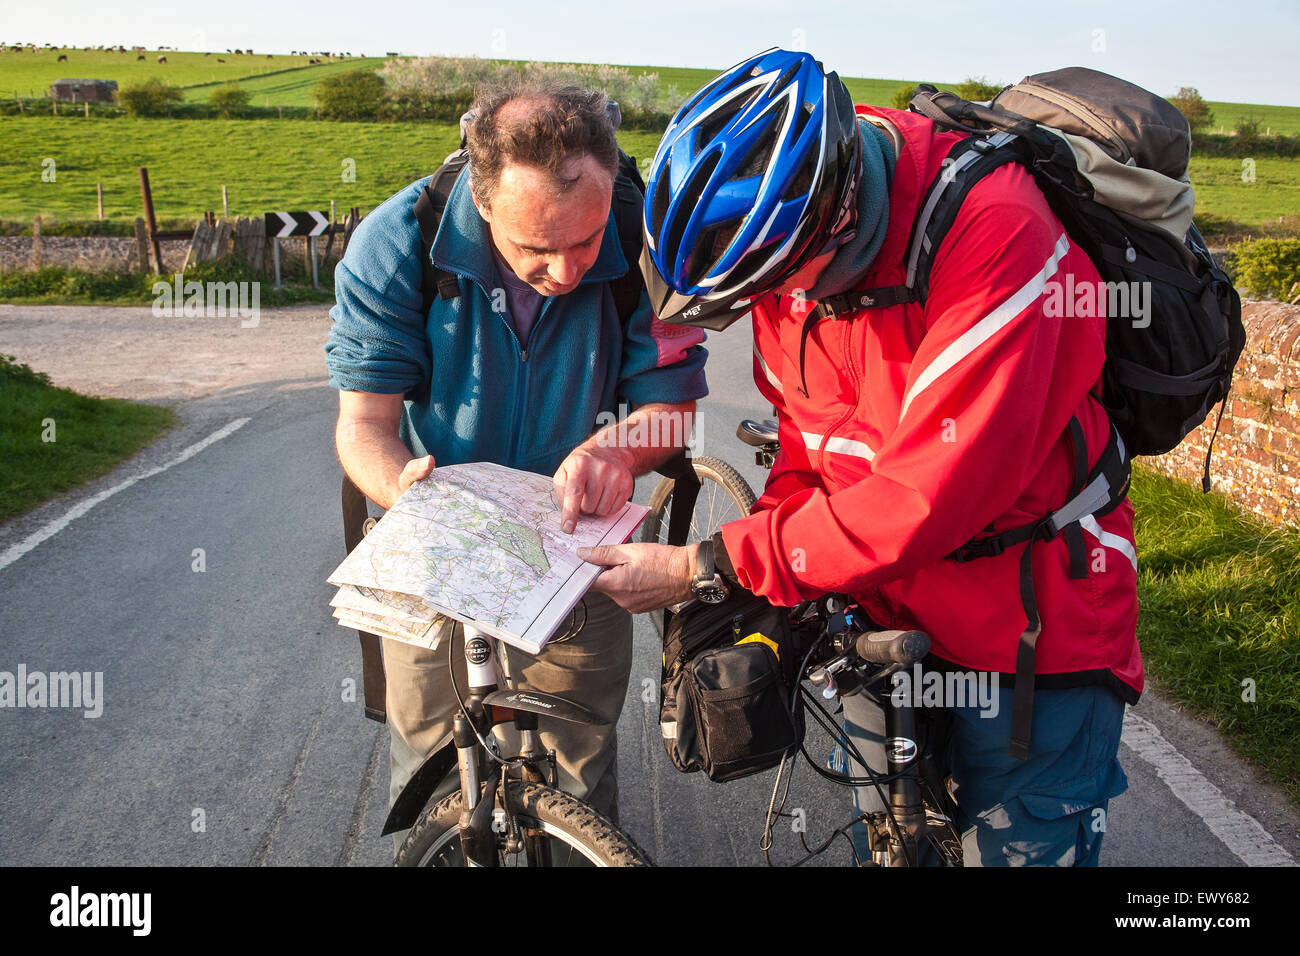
(478, 542)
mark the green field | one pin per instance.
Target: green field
(30, 74)
(267, 164)
(270, 164)
(298, 164)
(1220, 190)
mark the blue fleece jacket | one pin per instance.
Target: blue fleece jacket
(472, 394)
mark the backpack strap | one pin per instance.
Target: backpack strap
(1098, 493)
(374, 689)
(429, 207)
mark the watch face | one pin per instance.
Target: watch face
(709, 593)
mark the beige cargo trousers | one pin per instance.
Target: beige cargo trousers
(590, 667)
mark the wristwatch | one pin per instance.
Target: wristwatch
(707, 585)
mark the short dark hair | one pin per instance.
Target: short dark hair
(566, 122)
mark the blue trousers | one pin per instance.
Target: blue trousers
(1048, 810)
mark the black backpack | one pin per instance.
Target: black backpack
(1111, 160)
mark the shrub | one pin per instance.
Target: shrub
(1194, 109)
(229, 100)
(442, 87)
(977, 89)
(150, 98)
(1268, 268)
(902, 96)
(354, 95)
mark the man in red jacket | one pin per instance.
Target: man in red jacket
(909, 425)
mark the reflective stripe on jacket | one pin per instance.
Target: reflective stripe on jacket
(925, 425)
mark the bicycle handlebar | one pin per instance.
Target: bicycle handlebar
(893, 647)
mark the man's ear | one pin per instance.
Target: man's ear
(481, 206)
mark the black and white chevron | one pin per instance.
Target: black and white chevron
(281, 225)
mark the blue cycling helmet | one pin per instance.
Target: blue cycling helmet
(753, 177)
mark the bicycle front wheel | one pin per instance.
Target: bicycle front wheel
(561, 831)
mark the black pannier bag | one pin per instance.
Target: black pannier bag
(726, 688)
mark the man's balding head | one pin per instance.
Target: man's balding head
(543, 127)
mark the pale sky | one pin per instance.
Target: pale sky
(1242, 52)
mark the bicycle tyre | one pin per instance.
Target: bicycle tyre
(711, 472)
(434, 840)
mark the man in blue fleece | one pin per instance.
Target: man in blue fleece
(517, 368)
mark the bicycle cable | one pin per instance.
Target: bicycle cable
(509, 764)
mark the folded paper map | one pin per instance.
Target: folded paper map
(480, 543)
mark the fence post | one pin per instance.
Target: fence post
(36, 243)
(329, 241)
(99, 200)
(225, 204)
(142, 244)
(275, 257)
(147, 196)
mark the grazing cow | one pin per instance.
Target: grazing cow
(162, 59)
(139, 56)
(63, 58)
(207, 54)
(219, 60)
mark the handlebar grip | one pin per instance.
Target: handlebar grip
(893, 647)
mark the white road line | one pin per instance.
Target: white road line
(58, 524)
(1239, 832)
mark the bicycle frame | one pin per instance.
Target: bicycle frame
(473, 753)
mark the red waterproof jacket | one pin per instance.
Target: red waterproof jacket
(926, 425)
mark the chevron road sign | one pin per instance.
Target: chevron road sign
(282, 225)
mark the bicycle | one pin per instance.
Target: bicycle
(724, 494)
(507, 811)
(842, 655)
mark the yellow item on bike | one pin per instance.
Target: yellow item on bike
(757, 638)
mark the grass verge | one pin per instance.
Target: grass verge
(53, 439)
(1220, 617)
(61, 285)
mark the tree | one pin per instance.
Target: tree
(357, 94)
(1194, 109)
(150, 98)
(977, 89)
(229, 100)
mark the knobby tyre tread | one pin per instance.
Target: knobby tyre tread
(579, 822)
(708, 469)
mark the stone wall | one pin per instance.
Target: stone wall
(1257, 452)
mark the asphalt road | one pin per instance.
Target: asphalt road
(226, 736)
